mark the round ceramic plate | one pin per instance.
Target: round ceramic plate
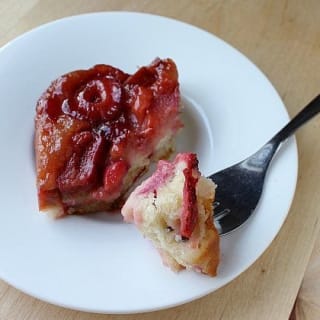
(96, 262)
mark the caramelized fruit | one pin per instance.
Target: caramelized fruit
(94, 126)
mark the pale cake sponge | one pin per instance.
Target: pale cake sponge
(173, 208)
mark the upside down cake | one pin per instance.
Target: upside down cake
(97, 130)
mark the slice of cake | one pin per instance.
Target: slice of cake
(97, 130)
(174, 209)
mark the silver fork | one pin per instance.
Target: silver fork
(239, 187)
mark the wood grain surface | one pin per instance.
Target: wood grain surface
(283, 38)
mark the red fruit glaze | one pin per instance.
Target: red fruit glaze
(84, 166)
(114, 175)
(99, 100)
(91, 124)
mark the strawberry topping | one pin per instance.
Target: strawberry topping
(189, 215)
(91, 124)
(114, 175)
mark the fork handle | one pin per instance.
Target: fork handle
(262, 158)
(308, 112)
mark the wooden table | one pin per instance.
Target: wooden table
(283, 38)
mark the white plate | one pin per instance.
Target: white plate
(96, 262)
